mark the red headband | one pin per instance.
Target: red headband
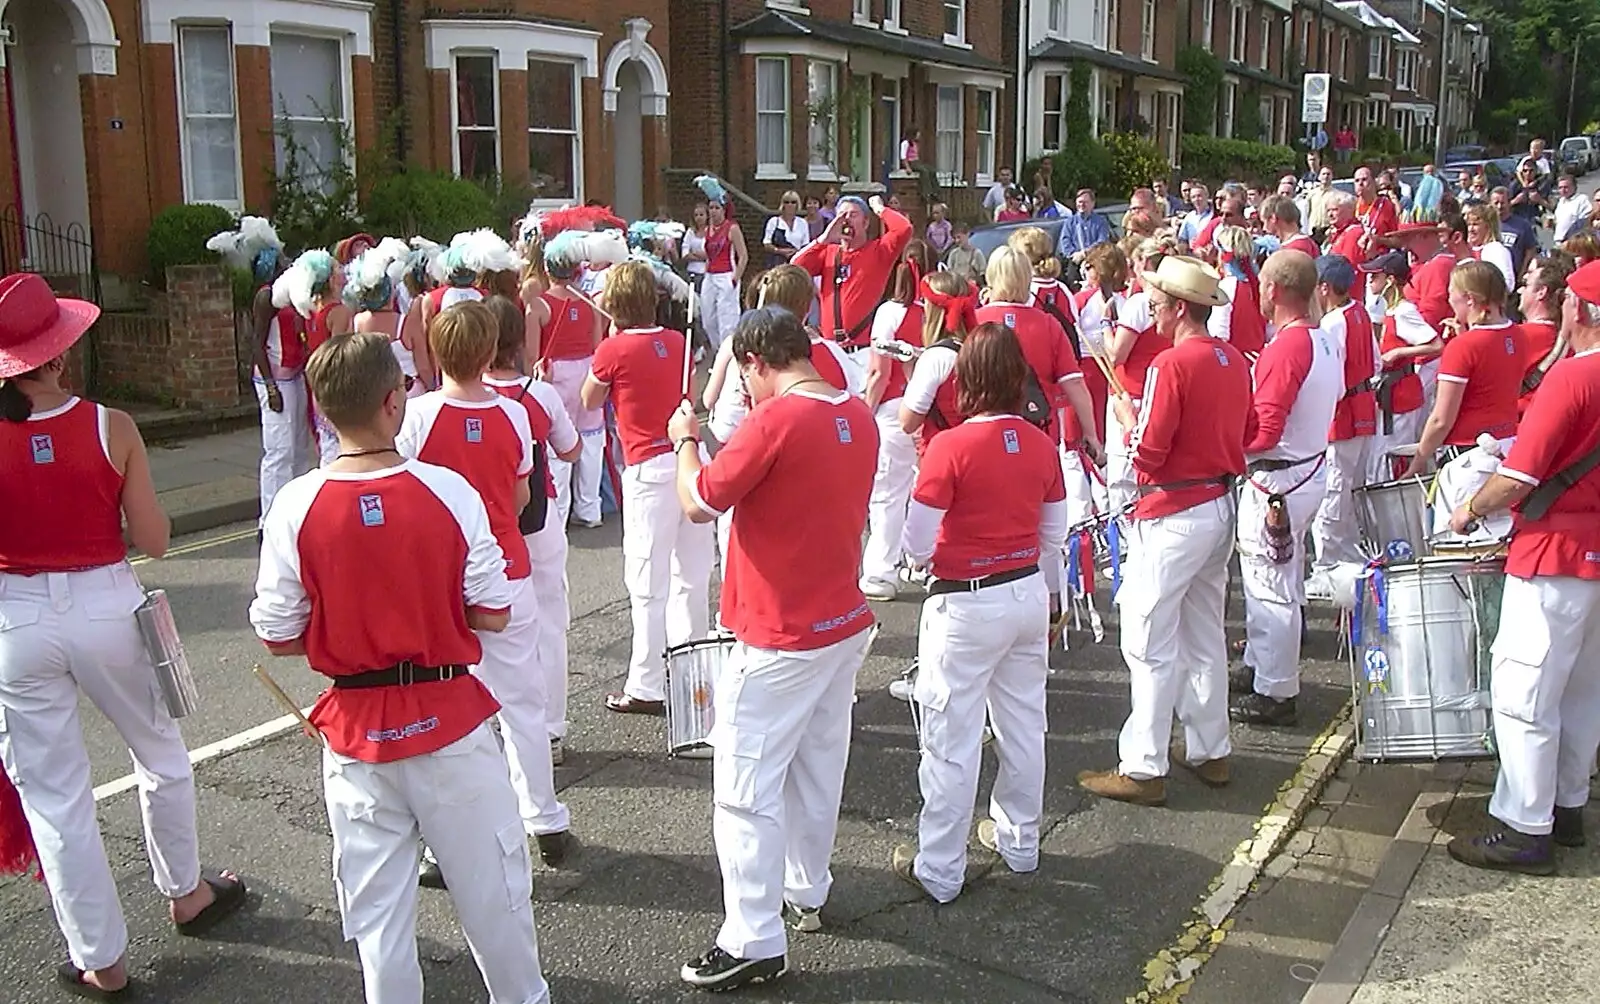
(960, 312)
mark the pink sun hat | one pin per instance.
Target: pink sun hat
(36, 326)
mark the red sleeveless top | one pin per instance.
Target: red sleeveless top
(570, 333)
(317, 330)
(61, 496)
(719, 248)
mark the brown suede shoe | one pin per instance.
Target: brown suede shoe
(1110, 784)
(1212, 773)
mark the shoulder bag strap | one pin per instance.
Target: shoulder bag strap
(1539, 501)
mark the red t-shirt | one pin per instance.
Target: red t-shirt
(719, 248)
(991, 476)
(570, 331)
(490, 443)
(1488, 361)
(1303, 244)
(60, 495)
(1406, 395)
(1347, 242)
(857, 277)
(792, 583)
(317, 329)
(643, 367)
(909, 330)
(1135, 316)
(370, 570)
(1193, 425)
(521, 392)
(1379, 218)
(1562, 424)
(1429, 288)
(1044, 345)
(827, 364)
(1355, 414)
(1538, 340)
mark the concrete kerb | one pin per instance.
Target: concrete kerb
(209, 517)
(1363, 935)
(1170, 974)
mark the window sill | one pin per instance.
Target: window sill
(894, 29)
(983, 181)
(956, 42)
(863, 22)
(771, 172)
(902, 175)
(815, 173)
(797, 6)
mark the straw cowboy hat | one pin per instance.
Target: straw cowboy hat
(1187, 279)
(1406, 231)
(36, 326)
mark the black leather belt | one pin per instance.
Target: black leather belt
(402, 675)
(848, 349)
(1265, 466)
(941, 586)
(1221, 481)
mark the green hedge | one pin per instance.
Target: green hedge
(178, 236)
(1135, 162)
(1213, 159)
(433, 204)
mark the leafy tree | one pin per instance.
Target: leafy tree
(1204, 73)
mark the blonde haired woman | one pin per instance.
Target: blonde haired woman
(1483, 236)
(786, 233)
(1050, 294)
(949, 311)
(1239, 321)
(1480, 371)
(1132, 347)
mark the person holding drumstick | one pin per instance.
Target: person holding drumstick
(792, 600)
(644, 370)
(1134, 343)
(1480, 372)
(1546, 670)
(988, 509)
(70, 472)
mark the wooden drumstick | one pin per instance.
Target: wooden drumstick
(575, 291)
(282, 698)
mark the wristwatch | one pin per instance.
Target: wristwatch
(686, 439)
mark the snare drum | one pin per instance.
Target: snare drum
(1420, 659)
(692, 670)
(1394, 521)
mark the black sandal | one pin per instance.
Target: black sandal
(230, 896)
(622, 704)
(70, 978)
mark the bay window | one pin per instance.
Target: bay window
(772, 115)
(950, 131)
(310, 108)
(554, 164)
(477, 117)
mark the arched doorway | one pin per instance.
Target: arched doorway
(627, 130)
(46, 113)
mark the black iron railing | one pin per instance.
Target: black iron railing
(61, 254)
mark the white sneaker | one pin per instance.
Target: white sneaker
(875, 590)
(588, 524)
(901, 689)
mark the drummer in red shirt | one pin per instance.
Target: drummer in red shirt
(1546, 670)
(1480, 373)
(988, 509)
(1543, 288)
(854, 258)
(1375, 209)
(71, 471)
(792, 599)
(1188, 449)
(408, 751)
(1431, 264)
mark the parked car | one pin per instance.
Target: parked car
(1579, 152)
(988, 236)
(1468, 151)
(1499, 171)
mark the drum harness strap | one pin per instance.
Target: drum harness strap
(845, 336)
(402, 674)
(1539, 501)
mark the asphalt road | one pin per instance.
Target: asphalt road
(1115, 886)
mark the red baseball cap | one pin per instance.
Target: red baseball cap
(36, 326)
(1585, 283)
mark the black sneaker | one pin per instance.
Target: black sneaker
(1258, 709)
(554, 847)
(428, 874)
(1241, 679)
(1568, 830)
(1506, 850)
(717, 970)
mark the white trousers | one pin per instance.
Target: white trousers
(1174, 588)
(511, 670)
(1085, 494)
(578, 483)
(1335, 532)
(666, 565)
(719, 307)
(978, 651)
(1121, 482)
(63, 633)
(460, 802)
(1407, 430)
(781, 739)
(547, 550)
(891, 491)
(285, 438)
(1545, 684)
(1274, 594)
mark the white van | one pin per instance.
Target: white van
(1580, 151)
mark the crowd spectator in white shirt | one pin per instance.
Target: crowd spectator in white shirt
(1573, 211)
(786, 232)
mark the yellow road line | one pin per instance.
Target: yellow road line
(1170, 973)
(199, 545)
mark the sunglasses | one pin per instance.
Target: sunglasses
(791, 202)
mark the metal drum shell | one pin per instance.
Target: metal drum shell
(1391, 512)
(1433, 702)
(692, 670)
(159, 632)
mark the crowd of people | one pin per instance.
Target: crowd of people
(883, 418)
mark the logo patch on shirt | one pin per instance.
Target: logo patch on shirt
(372, 510)
(1511, 346)
(1009, 437)
(474, 430)
(1222, 357)
(661, 348)
(842, 424)
(844, 271)
(44, 449)
(572, 313)
(1011, 320)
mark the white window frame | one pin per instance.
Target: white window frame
(774, 170)
(1237, 31)
(891, 16)
(941, 129)
(1208, 23)
(346, 97)
(1060, 114)
(1305, 41)
(959, 36)
(456, 128)
(1266, 112)
(1055, 24)
(1147, 30)
(988, 140)
(576, 132)
(1173, 112)
(1344, 54)
(817, 170)
(894, 124)
(1230, 94)
(1112, 26)
(1266, 38)
(237, 202)
(861, 13)
(1375, 57)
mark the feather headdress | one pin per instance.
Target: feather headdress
(572, 248)
(579, 218)
(301, 282)
(254, 247)
(374, 273)
(667, 280)
(474, 253)
(712, 188)
(642, 233)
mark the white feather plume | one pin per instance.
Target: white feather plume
(571, 248)
(241, 246)
(486, 251)
(296, 286)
